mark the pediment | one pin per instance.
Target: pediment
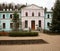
(33, 7)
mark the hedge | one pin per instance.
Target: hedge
(17, 34)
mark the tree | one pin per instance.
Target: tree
(55, 26)
(22, 7)
(15, 21)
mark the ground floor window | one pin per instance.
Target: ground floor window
(48, 24)
(17, 25)
(11, 25)
(26, 23)
(39, 23)
(4, 25)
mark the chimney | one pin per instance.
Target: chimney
(26, 4)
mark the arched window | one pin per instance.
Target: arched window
(26, 13)
(48, 16)
(4, 25)
(26, 23)
(10, 15)
(11, 25)
(39, 14)
(39, 23)
(32, 13)
(3, 16)
(48, 24)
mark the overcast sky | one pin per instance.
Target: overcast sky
(44, 3)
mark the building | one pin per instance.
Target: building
(6, 15)
(32, 17)
(6, 23)
(47, 19)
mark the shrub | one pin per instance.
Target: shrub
(51, 33)
(17, 34)
(46, 31)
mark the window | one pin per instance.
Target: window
(17, 25)
(48, 15)
(51, 15)
(26, 24)
(10, 15)
(32, 13)
(3, 25)
(11, 25)
(18, 16)
(39, 14)
(39, 23)
(48, 24)
(3, 16)
(0, 15)
(26, 14)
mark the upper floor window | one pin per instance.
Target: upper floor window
(26, 13)
(3, 16)
(48, 16)
(32, 13)
(39, 14)
(10, 15)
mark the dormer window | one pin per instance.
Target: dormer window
(26, 13)
(16, 9)
(32, 13)
(7, 9)
(10, 9)
(3, 9)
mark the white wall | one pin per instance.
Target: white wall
(36, 18)
(29, 19)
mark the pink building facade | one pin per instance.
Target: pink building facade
(32, 17)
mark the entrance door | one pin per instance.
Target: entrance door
(33, 25)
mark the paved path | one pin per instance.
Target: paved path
(52, 45)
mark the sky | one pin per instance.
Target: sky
(42, 3)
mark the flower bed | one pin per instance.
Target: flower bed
(2, 33)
